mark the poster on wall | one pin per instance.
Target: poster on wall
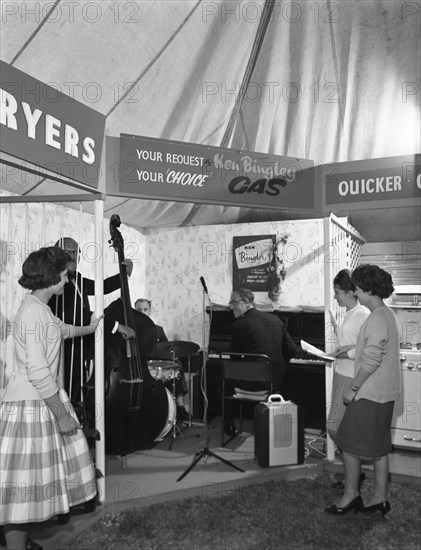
(251, 259)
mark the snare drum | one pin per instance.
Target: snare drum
(164, 370)
(171, 417)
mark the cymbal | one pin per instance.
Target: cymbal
(180, 348)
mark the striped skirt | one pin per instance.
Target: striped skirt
(42, 472)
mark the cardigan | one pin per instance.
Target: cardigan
(347, 335)
(37, 347)
(377, 352)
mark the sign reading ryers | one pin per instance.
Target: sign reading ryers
(170, 170)
(48, 129)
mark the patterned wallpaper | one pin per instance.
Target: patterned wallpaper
(168, 264)
(176, 258)
(27, 227)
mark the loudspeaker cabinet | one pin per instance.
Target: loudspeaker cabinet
(278, 432)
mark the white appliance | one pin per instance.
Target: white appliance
(406, 423)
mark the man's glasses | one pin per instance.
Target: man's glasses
(234, 302)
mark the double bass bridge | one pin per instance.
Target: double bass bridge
(131, 381)
(133, 412)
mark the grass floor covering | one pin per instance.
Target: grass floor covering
(274, 515)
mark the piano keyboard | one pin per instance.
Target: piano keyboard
(294, 361)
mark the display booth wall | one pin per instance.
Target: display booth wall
(169, 262)
(25, 227)
(176, 258)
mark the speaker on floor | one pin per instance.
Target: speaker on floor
(278, 432)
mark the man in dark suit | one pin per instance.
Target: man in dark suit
(73, 308)
(181, 390)
(144, 306)
(258, 332)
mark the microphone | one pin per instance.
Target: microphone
(205, 288)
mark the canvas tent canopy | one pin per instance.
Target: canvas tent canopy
(329, 81)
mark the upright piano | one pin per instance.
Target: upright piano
(304, 383)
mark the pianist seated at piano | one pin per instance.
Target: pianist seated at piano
(255, 331)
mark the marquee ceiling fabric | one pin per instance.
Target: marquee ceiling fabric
(334, 81)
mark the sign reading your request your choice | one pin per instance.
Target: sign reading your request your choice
(170, 170)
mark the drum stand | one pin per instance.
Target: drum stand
(206, 452)
(175, 428)
(190, 390)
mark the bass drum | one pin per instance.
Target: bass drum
(172, 416)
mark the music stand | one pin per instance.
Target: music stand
(205, 452)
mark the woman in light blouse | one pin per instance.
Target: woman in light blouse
(347, 333)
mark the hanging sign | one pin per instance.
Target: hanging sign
(251, 259)
(177, 171)
(43, 126)
(367, 184)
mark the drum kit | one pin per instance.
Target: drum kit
(165, 365)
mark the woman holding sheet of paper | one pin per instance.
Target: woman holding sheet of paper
(347, 332)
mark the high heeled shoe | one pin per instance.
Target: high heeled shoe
(383, 507)
(355, 504)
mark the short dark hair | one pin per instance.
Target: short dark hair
(143, 300)
(42, 268)
(246, 294)
(343, 280)
(373, 279)
(67, 243)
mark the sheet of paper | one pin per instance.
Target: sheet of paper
(252, 395)
(315, 351)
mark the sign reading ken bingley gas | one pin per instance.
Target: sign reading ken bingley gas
(170, 170)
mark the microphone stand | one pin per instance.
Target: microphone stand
(205, 452)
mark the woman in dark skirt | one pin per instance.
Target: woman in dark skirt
(365, 430)
(45, 463)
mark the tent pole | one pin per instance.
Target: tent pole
(254, 55)
(328, 278)
(99, 349)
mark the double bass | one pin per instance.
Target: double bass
(136, 404)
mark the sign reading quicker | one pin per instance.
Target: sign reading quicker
(170, 170)
(48, 129)
(365, 184)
